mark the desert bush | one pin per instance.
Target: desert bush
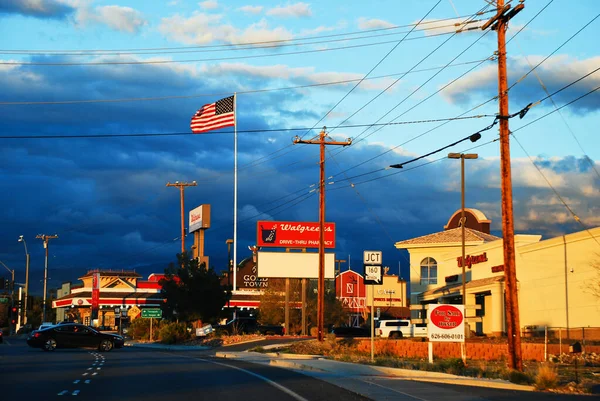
(514, 376)
(173, 333)
(546, 378)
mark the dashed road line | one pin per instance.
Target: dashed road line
(85, 374)
(63, 392)
(94, 374)
(75, 392)
(87, 381)
(76, 381)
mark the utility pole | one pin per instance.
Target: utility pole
(499, 23)
(22, 239)
(181, 186)
(46, 239)
(321, 282)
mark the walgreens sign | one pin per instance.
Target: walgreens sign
(293, 234)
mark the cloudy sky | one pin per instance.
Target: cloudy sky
(97, 98)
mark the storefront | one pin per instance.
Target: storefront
(553, 275)
(121, 297)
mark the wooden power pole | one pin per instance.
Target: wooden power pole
(321, 282)
(181, 186)
(499, 23)
(46, 239)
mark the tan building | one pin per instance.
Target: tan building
(389, 298)
(552, 275)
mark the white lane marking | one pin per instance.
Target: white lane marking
(87, 381)
(85, 374)
(63, 392)
(76, 381)
(98, 368)
(94, 374)
(267, 380)
(89, 368)
(75, 392)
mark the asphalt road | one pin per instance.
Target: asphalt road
(149, 375)
(137, 374)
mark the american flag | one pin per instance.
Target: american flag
(214, 116)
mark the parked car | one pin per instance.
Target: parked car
(399, 328)
(45, 325)
(73, 335)
(347, 331)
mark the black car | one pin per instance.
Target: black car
(347, 331)
(73, 335)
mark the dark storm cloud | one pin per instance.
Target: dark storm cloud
(106, 197)
(49, 9)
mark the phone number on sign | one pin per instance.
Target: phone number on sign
(436, 336)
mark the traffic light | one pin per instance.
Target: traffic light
(13, 315)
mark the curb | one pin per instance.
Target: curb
(294, 365)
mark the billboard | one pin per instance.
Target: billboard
(199, 218)
(293, 234)
(293, 265)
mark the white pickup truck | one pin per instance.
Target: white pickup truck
(398, 329)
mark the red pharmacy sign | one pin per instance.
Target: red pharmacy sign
(293, 234)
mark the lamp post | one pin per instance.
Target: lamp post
(25, 296)
(46, 239)
(462, 157)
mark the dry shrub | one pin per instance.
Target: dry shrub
(546, 378)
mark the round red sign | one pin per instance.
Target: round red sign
(446, 317)
(80, 302)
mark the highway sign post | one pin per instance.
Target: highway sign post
(373, 276)
(152, 314)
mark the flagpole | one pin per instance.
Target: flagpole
(235, 172)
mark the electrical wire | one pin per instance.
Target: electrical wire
(220, 94)
(229, 48)
(167, 134)
(272, 42)
(371, 70)
(147, 62)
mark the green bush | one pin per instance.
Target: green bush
(514, 376)
(173, 333)
(454, 366)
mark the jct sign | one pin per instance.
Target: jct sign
(446, 323)
(294, 234)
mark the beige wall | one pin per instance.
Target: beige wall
(540, 267)
(392, 293)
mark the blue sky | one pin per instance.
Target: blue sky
(111, 68)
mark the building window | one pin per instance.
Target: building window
(428, 271)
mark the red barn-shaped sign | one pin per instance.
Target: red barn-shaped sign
(350, 289)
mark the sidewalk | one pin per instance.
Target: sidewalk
(338, 373)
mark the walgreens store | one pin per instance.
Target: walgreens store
(554, 276)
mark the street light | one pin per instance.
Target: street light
(25, 296)
(462, 157)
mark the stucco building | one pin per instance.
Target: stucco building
(553, 275)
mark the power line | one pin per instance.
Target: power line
(371, 70)
(218, 48)
(96, 63)
(167, 134)
(219, 94)
(243, 43)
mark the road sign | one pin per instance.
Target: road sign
(152, 313)
(373, 275)
(372, 257)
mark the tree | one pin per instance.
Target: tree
(193, 292)
(593, 286)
